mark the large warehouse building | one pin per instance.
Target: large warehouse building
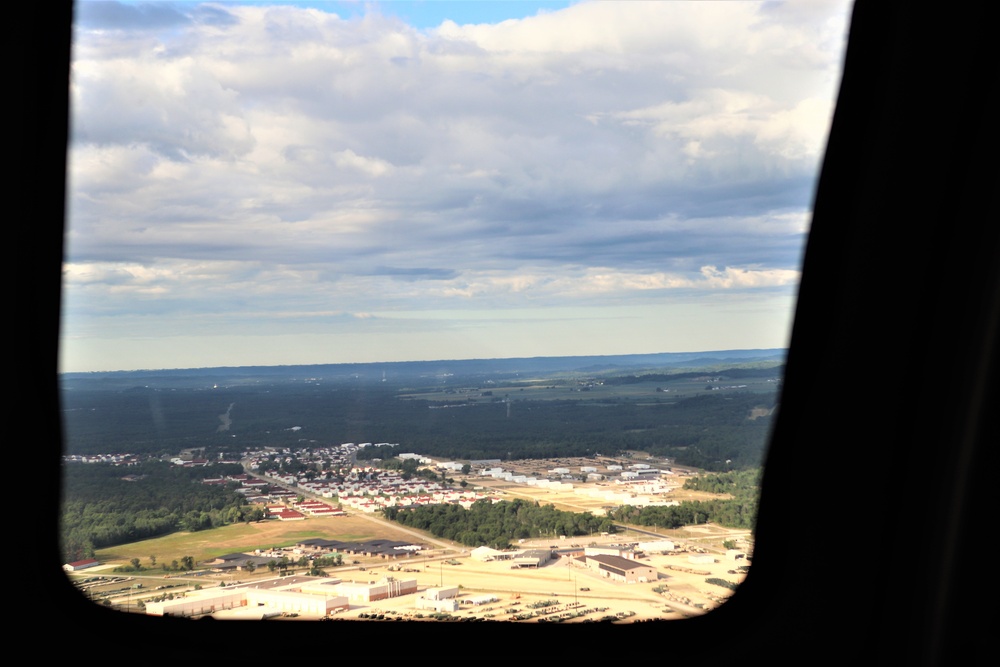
(266, 601)
(387, 587)
(622, 569)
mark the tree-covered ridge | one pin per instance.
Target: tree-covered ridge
(105, 505)
(738, 512)
(499, 524)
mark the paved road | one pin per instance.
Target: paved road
(625, 528)
(422, 537)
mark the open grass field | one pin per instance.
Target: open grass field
(209, 544)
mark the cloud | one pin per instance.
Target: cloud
(263, 160)
(730, 278)
(120, 16)
(348, 159)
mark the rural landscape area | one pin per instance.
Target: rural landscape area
(615, 490)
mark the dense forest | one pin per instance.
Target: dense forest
(104, 505)
(497, 525)
(711, 430)
(738, 512)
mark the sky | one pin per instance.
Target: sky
(265, 183)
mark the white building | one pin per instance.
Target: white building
(265, 601)
(441, 593)
(387, 587)
(656, 547)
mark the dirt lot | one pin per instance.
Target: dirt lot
(684, 591)
(576, 499)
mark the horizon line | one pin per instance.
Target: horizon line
(426, 361)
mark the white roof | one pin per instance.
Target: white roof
(481, 553)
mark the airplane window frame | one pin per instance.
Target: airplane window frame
(923, 615)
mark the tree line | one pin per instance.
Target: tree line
(105, 505)
(738, 512)
(497, 525)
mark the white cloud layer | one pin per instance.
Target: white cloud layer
(239, 163)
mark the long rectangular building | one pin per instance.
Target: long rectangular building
(385, 588)
(621, 569)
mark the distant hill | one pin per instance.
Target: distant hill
(395, 372)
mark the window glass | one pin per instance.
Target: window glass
(276, 186)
